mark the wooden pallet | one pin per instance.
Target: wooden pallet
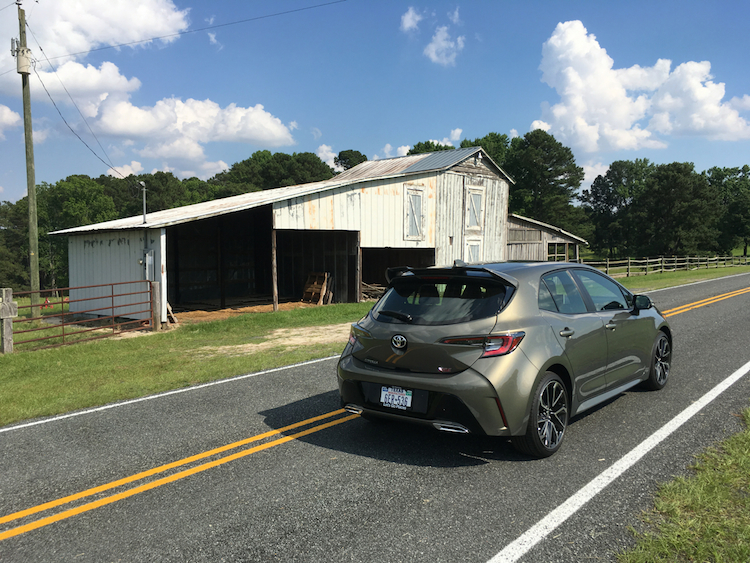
(318, 288)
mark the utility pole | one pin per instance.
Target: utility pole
(23, 63)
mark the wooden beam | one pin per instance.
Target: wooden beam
(274, 273)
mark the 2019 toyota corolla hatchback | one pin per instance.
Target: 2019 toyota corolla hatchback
(506, 349)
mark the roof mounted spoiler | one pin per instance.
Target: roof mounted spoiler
(395, 272)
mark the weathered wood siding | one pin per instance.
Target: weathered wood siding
(376, 208)
(452, 217)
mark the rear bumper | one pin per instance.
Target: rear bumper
(450, 402)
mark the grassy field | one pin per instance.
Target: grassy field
(59, 380)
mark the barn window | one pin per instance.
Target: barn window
(414, 217)
(473, 250)
(474, 210)
(557, 252)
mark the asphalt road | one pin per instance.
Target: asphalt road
(354, 490)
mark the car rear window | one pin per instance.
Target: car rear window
(441, 301)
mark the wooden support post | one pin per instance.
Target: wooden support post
(358, 281)
(8, 310)
(155, 306)
(274, 272)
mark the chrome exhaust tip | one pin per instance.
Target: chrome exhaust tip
(453, 427)
(354, 409)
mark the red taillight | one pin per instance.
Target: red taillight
(501, 345)
(494, 345)
(352, 338)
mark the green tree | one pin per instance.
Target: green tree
(14, 245)
(429, 146)
(733, 185)
(678, 212)
(263, 171)
(349, 159)
(610, 204)
(546, 177)
(494, 144)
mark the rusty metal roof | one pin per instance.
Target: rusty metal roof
(366, 171)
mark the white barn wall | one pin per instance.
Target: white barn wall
(376, 208)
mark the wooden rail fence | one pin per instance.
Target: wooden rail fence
(645, 266)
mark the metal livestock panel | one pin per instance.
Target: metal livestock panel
(110, 257)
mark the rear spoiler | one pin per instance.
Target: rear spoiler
(458, 268)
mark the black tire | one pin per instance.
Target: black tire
(661, 363)
(548, 418)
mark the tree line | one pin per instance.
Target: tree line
(636, 209)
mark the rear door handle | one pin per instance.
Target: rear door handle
(567, 332)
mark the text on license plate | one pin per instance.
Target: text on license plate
(395, 397)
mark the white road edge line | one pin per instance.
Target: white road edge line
(524, 543)
(159, 395)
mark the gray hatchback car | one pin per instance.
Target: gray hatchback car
(506, 349)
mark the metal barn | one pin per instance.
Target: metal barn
(416, 210)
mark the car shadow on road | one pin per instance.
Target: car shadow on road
(391, 441)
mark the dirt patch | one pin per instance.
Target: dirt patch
(289, 338)
(222, 314)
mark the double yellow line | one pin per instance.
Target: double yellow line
(22, 529)
(704, 302)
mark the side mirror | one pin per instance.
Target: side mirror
(642, 302)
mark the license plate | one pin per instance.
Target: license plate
(395, 397)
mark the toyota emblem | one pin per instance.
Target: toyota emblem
(399, 342)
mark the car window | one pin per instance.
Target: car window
(564, 293)
(441, 301)
(605, 293)
(546, 303)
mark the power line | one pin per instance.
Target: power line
(69, 127)
(201, 29)
(111, 165)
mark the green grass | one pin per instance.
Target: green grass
(704, 517)
(671, 279)
(55, 381)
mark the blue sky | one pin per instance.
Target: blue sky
(668, 81)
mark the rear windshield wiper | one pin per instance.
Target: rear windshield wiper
(396, 315)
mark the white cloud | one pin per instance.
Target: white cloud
(1, 189)
(171, 122)
(603, 108)
(456, 134)
(8, 119)
(326, 154)
(514, 133)
(126, 169)
(40, 135)
(443, 49)
(453, 16)
(410, 20)
(593, 169)
(171, 129)
(74, 28)
(403, 150)
(316, 133)
(88, 86)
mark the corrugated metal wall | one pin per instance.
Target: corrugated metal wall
(110, 257)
